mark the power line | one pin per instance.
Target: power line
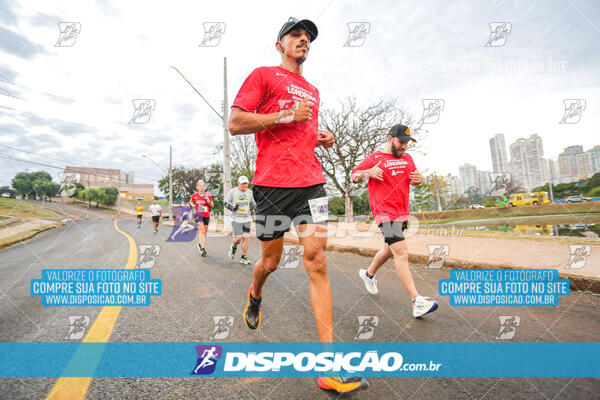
(8, 157)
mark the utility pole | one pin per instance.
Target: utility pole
(171, 182)
(226, 150)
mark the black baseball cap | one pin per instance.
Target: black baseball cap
(401, 132)
(294, 23)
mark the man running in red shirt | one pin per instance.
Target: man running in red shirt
(281, 108)
(391, 173)
(202, 201)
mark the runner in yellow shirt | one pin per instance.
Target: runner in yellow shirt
(139, 209)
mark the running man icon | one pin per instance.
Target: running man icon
(207, 359)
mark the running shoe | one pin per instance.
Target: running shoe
(232, 251)
(423, 305)
(199, 249)
(252, 315)
(370, 283)
(342, 385)
(203, 252)
(244, 260)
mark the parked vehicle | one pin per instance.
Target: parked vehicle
(476, 207)
(7, 195)
(577, 199)
(527, 199)
(139, 197)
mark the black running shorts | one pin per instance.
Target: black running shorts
(393, 231)
(277, 208)
(156, 218)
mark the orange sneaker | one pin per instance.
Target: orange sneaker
(342, 385)
(252, 315)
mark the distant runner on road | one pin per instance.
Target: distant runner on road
(202, 202)
(240, 201)
(156, 212)
(139, 209)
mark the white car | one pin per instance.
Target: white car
(476, 207)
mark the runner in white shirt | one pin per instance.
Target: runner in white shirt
(156, 212)
(240, 201)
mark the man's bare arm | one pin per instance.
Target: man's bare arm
(243, 122)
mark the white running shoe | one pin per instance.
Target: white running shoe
(423, 305)
(370, 283)
(244, 260)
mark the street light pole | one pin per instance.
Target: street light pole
(171, 182)
(226, 150)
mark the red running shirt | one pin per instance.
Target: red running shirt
(286, 152)
(200, 203)
(389, 198)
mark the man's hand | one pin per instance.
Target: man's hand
(416, 178)
(376, 172)
(304, 111)
(325, 139)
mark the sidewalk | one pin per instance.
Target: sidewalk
(24, 230)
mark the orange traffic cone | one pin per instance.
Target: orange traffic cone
(76, 219)
(87, 218)
(100, 217)
(113, 218)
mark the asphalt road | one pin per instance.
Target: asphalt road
(195, 289)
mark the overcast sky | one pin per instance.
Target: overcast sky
(73, 104)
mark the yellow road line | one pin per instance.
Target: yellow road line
(76, 388)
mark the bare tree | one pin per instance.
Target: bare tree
(243, 153)
(359, 131)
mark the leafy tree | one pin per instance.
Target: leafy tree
(85, 195)
(35, 184)
(112, 194)
(423, 197)
(336, 206)
(595, 192)
(185, 180)
(23, 184)
(95, 195)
